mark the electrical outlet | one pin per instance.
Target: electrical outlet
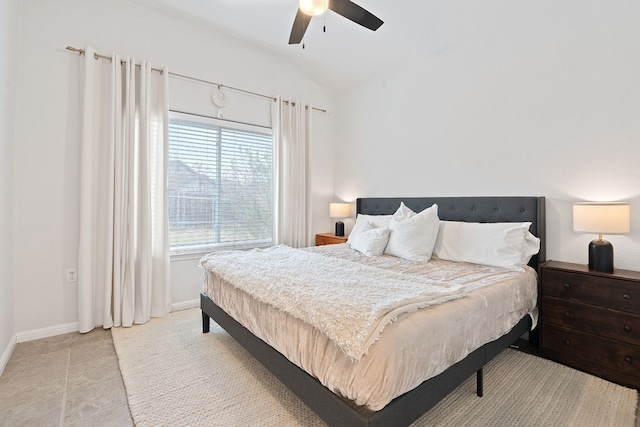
(72, 275)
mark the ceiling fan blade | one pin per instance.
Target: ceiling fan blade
(300, 25)
(352, 11)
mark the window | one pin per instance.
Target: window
(219, 184)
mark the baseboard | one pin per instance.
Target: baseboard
(73, 327)
(185, 305)
(7, 354)
(50, 331)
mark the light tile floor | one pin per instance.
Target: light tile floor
(66, 380)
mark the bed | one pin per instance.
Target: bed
(409, 406)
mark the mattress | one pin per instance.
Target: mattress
(413, 348)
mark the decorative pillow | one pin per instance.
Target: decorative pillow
(507, 245)
(412, 236)
(403, 212)
(371, 241)
(362, 222)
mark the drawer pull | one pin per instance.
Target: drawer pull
(627, 328)
(628, 359)
(627, 297)
(568, 342)
(567, 286)
(567, 314)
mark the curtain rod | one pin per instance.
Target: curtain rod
(184, 76)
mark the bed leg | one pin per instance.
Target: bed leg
(205, 322)
(479, 384)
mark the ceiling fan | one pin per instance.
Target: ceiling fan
(309, 8)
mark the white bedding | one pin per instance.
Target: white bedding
(416, 347)
(327, 293)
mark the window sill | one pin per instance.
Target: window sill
(187, 256)
(197, 253)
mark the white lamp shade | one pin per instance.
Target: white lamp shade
(601, 218)
(339, 210)
(313, 7)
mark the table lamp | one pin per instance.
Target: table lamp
(601, 218)
(339, 210)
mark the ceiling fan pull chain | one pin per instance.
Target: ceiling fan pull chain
(324, 19)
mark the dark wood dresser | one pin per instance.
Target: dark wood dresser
(591, 320)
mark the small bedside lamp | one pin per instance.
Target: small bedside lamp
(339, 210)
(601, 218)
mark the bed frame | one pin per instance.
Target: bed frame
(405, 409)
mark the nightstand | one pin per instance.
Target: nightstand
(329, 239)
(591, 320)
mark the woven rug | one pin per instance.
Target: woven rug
(177, 376)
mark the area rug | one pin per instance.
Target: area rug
(177, 376)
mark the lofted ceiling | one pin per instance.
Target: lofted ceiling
(347, 52)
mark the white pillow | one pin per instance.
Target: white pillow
(508, 245)
(403, 212)
(371, 241)
(412, 236)
(362, 222)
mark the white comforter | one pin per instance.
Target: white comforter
(327, 292)
(416, 347)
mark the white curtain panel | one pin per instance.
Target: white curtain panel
(291, 123)
(123, 260)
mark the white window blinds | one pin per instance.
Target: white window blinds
(219, 184)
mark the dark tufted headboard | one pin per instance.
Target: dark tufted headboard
(471, 209)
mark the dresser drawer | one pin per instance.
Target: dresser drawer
(617, 325)
(605, 358)
(593, 289)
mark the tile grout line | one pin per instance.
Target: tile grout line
(64, 393)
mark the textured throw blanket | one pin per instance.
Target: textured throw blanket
(349, 302)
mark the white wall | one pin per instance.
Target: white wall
(546, 102)
(9, 39)
(47, 132)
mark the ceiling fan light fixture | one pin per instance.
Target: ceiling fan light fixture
(313, 7)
